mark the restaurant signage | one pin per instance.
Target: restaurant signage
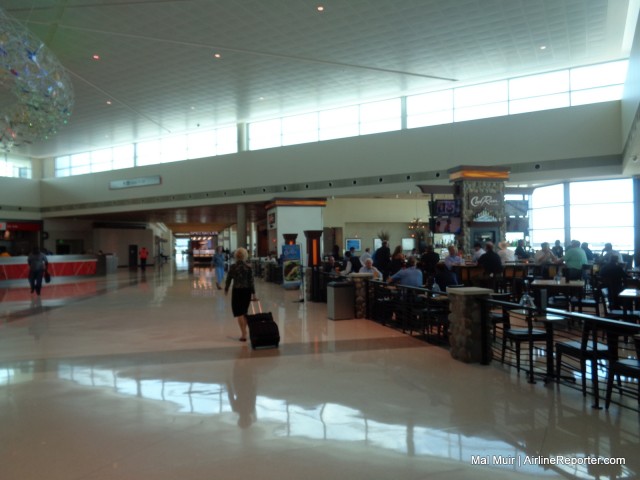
(483, 201)
(135, 182)
(23, 226)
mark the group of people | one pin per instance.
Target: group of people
(429, 268)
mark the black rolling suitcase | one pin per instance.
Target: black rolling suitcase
(263, 331)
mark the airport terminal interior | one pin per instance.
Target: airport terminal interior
(141, 375)
(138, 122)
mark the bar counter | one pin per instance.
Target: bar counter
(15, 268)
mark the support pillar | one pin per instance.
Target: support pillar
(466, 331)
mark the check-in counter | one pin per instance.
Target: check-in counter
(15, 268)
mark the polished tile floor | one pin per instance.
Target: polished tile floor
(141, 376)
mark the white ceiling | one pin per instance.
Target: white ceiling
(278, 57)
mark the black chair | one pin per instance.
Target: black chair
(615, 313)
(434, 315)
(585, 349)
(523, 334)
(622, 368)
(592, 302)
(499, 316)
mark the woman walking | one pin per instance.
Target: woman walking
(243, 291)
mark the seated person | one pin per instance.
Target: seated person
(330, 265)
(588, 252)
(607, 253)
(491, 264)
(478, 251)
(613, 278)
(369, 268)
(505, 254)
(557, 249)
(544, 256)
(444, 277)
(453, 258)
(521, 253)
(410, 276)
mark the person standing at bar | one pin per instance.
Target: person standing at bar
(574, 259)
(382, 259)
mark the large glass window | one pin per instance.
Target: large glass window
(428, 109)
(13, 166)
(339, 123)
(265, 134)
(601, 212)
(547, 215)
(380, 117)
(300, 129)
(559, 89)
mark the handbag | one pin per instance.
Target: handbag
(47, 277)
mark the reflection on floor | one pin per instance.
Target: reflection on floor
(142, 376)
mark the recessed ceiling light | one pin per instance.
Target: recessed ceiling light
(320, 8)
(96, 56)
(108, 102)
(261, 98)
(217, 55)
(543, 47)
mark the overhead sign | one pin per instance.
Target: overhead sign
(135, 182)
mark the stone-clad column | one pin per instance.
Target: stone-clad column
(465, 332)
(360, 292)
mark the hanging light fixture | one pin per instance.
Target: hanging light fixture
(416, 227)
(31, 76)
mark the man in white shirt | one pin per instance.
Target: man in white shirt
(477, 253)
(365, 255)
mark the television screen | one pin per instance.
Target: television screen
(408, 244)
(447, 208)
(447, 225)
(353, 242)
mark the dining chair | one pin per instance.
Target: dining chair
(582, 350)
(499, 315)
(628, 368)
(522, 334)
(591, 302)
(615, 313)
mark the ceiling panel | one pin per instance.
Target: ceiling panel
(278, 58)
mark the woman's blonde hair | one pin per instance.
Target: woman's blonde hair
(241, 254)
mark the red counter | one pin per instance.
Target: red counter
(15, 268)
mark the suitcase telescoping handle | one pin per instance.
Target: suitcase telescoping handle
(253, 308)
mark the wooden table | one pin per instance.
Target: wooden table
(571, 288)
(629, 296)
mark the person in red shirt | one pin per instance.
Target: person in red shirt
(144, 253)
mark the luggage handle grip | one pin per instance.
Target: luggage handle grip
(253, 308)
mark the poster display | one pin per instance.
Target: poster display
(291, 266)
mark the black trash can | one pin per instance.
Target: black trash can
(340, 301)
